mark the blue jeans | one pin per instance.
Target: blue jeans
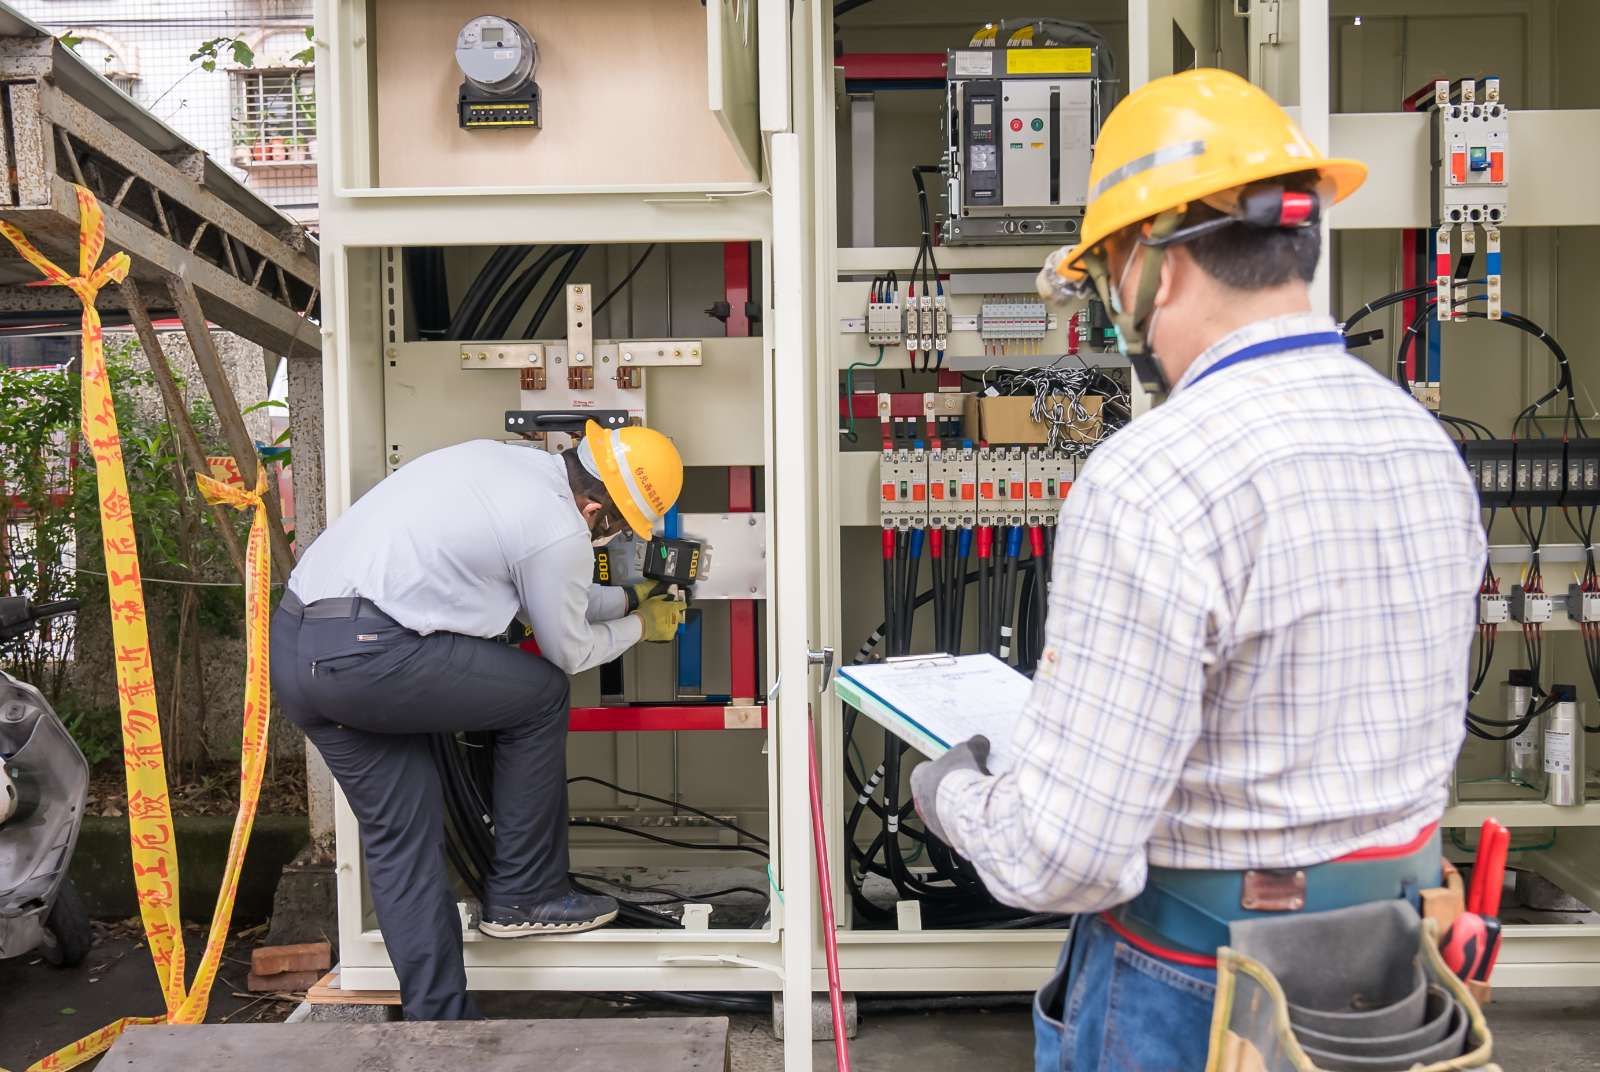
(1111, 1008)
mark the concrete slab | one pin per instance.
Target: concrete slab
(662, 1045)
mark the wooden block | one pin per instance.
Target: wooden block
(328, 992)
(664, 1044)
(282, 982)
(306, 957)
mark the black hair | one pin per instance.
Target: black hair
(1255, 258)
(591, 487)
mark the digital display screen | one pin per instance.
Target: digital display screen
(493, 35)
(982, 114)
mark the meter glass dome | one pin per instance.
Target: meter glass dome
(496, 54)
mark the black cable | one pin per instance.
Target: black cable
(484, 286)
(614, 291)
(635, 832)
(557, 288)
(736, 828)
(498, 322)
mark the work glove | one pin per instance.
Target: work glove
(969, 755)
(640, 591)
(661, 616)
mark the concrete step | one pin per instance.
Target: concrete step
(668, 1044)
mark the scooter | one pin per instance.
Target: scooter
(44, 787)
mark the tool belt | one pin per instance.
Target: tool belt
(1193, 910)
(1330, 967)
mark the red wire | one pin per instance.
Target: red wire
(830, 940)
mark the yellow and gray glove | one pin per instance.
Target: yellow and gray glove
(661, 616)
(972, 755)
(640, 591)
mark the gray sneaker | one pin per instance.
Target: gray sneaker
(568, 914)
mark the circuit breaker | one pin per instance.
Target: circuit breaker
(1002, 486)
(903, 489)
(1021, 129)
(1050, 475)
(1470, 142)
(953, 487)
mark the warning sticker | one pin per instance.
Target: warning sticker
(1049, 60)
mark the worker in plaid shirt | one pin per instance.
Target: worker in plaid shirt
(1263, 594)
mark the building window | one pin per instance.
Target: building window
(274, 117)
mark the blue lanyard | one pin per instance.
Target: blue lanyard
(1273, 346)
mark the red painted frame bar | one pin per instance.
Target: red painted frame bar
(892, 66)
(643, 718)
(741, 487)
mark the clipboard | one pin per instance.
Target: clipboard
(933, 702)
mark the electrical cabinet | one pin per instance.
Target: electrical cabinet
(759, 131)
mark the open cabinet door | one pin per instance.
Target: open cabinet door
(731, 76)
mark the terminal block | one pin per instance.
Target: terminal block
(953, 487)
(1493, 609)
(1530, 608)
(1002, 486)
(1492, 465)
(885, 322)
(1050, 474)
(1539, 466)
(1583, 606)
(903, 489)
(1012, 316)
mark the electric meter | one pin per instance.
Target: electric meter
(499, 60)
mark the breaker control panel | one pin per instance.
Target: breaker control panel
(1023, 124)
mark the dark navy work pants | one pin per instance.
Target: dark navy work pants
(368, 694)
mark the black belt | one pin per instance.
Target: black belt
(339, 607)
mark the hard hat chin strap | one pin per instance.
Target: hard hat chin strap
(1132, 323)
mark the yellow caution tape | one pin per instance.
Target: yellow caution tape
(150, 827)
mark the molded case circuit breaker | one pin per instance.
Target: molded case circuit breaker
(1022, 124)
(1471, 143)
(953, 487)
(1002, 486)
(903, 489)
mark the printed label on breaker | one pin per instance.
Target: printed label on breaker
(1557, 752)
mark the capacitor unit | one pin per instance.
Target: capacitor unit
(1563, 749)
(1523, 751)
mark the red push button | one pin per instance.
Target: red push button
(1016, 124)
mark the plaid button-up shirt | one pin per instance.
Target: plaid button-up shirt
(1262, 609)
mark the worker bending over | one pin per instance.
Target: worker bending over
(1262, 602)
(382, 640)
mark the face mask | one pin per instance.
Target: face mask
(601, 541)
(1145, 365)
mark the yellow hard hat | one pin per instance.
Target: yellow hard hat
(1186, 138)
(639, 467)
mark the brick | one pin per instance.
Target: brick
(283, 982)
(307, 957)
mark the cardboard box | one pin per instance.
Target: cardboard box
(1006, 420)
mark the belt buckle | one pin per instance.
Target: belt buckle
(1280, 890)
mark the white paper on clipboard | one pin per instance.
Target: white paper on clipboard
(939, 701)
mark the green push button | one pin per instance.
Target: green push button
(1037, 124)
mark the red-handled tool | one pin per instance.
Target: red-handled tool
(1472, 943)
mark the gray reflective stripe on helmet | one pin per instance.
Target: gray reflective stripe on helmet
(619, 452)
(586, 458)
(1167, 154)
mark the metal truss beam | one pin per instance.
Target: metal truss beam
(257, 280)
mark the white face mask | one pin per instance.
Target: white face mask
(603, 540)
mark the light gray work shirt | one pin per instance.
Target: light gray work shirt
(466, 538)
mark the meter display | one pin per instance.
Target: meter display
(498, 59)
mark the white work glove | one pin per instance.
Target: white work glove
(972, 755)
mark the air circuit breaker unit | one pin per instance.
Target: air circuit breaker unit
(1022, 124)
